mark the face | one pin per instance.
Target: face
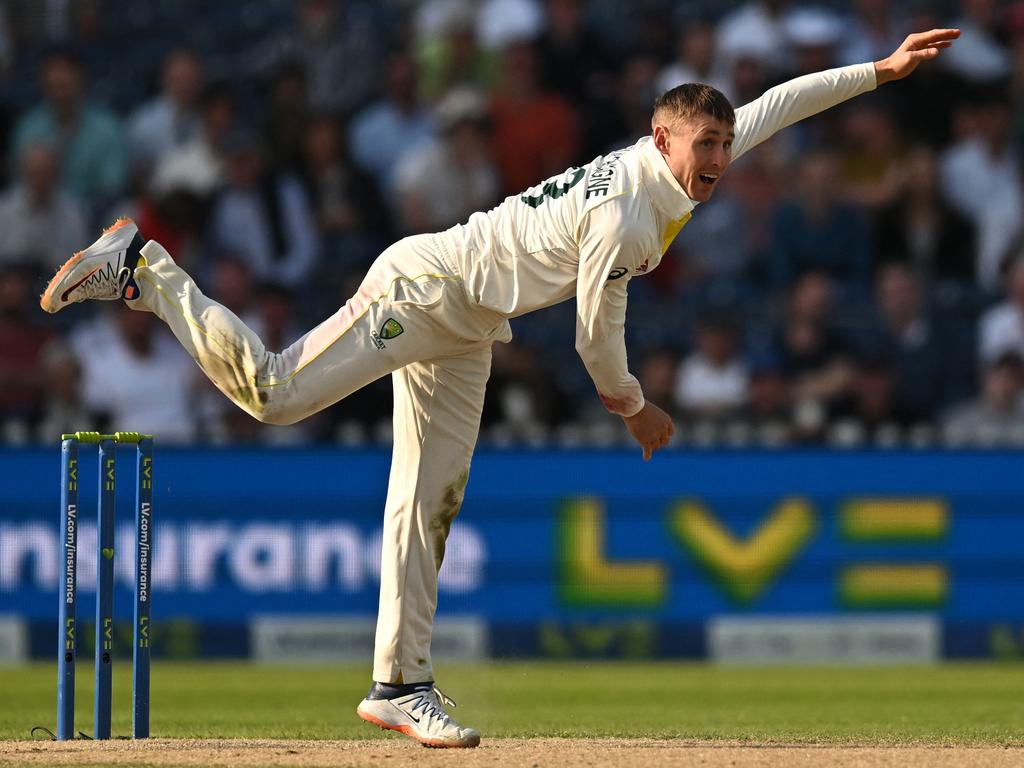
(697, 151)
(183, 78)
(62, 81)
(39, 170)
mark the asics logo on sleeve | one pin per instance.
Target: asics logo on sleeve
(616, 273)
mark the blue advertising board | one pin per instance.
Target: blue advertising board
(549, 540)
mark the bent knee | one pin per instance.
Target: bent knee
(269, 407)
(278, 414)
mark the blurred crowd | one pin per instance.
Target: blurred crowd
(858, 280)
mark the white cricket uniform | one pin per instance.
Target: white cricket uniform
(428, 311)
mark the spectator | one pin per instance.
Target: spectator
(41, 224)
(136, 376)
(578, 66)
(232, 285)
(448, 54)
(981, 178)
(755, 29)
(871, 32)
(535, 132)
(344, 199)
(172, 117)
(870, 411)
(175, 210)
(88, 138)
(750, 77)
(814, 355)
(501, 22)
(634, 93)
(921, 229)
(713, 380)
(394, 123)
(22, 341)
(64, 409)
(264, 217)
(349, 213)
(996, 417)
(524, 403)
(816, 231)
(287, 115)
(1002, 327)
(201, 164)
(337, 45)
(716, 252)
(757, 186)
(872, 157)
(814, 34)
(927, 359)
(768, 409)
(695, 60)
(441, 183)
(657, 376)
(978, 55)
(575, 62)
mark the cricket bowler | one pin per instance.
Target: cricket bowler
(431, 306)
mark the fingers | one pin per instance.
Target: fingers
(931, 37)
(657, 444)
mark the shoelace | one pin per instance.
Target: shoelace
(98, 284)
(444, 698)
(430, 707)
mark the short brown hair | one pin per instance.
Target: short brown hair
(690, 100)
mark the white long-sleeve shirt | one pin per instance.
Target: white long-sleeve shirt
(589, 231)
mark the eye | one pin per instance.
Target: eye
(728, 146)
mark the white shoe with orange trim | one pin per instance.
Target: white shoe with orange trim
(420, 715)
(102, 271)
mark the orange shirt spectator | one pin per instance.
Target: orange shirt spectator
(535, 132)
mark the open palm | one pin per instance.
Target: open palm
(918, 47)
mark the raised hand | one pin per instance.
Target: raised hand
(918, 47)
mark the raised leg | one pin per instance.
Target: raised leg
(400, 314)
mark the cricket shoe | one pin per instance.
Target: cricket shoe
(102, 271)
(418, 712)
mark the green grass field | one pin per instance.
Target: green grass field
(968, 704)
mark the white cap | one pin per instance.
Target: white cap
(812, 27)
(503, 22)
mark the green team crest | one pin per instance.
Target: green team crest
(391, 329)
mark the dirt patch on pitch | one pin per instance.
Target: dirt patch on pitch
(528, 753)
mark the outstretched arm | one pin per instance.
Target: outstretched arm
(804, 96)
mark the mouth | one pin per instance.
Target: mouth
(708, 178)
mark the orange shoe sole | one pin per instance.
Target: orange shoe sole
(405, 729)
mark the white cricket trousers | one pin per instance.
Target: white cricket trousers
(412, 318)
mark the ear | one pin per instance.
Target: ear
(662, 138)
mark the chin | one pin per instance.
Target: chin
(700, 192)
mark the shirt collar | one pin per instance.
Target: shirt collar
(665, 191)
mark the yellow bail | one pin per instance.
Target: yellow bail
(672, 229)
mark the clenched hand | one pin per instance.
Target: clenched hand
(651, 427)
